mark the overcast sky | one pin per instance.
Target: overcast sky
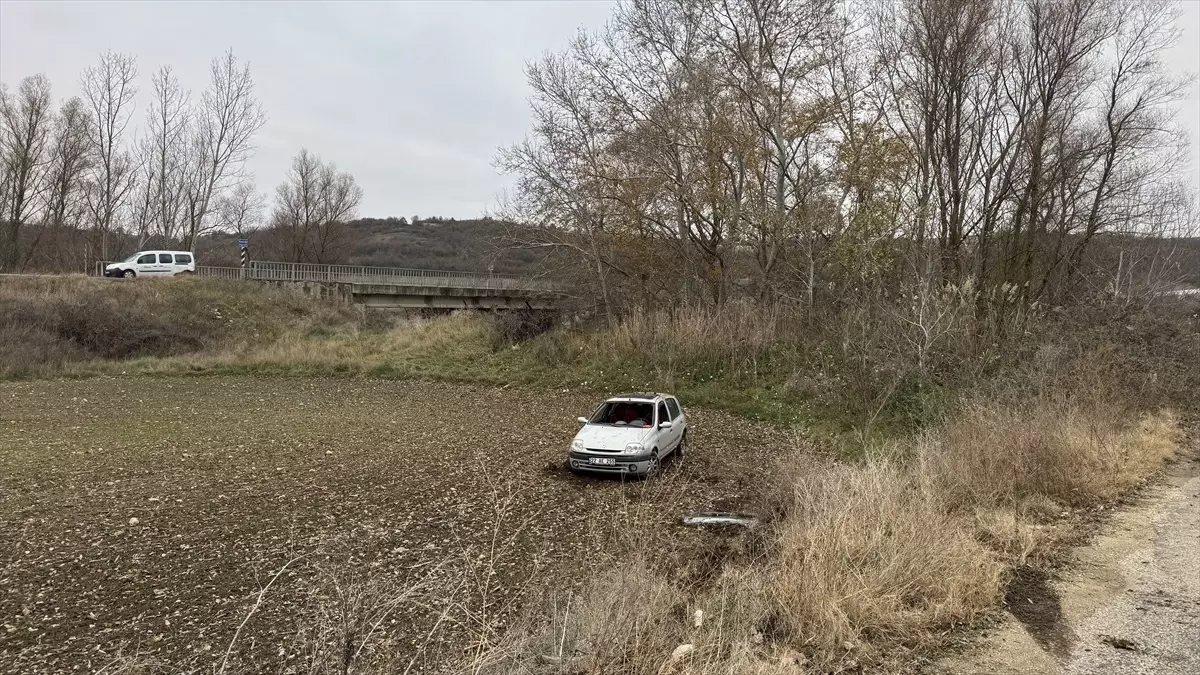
(413, 98)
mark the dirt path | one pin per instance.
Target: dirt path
(1129, 603)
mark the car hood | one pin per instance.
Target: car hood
(600, 437)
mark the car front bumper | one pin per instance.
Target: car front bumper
(115, 272)
(628, 464)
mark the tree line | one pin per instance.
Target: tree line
(811, 152)
(82, 182)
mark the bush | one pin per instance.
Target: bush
(520, 325)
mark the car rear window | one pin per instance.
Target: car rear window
(147, 259)
(182, 259)
(164, 258)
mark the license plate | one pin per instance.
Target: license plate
(604, 461)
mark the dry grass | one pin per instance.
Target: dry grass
(736, 326)
(869, 558)
(868, 561)
(993, 455)
(49, 324)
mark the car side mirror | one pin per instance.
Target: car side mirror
(581, 420)
(664, 425)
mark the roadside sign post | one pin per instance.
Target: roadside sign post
(244, 245)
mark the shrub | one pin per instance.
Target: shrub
(519, 325)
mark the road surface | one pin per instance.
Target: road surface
(1129, 604)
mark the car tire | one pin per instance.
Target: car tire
(129, 274)
(654, 465)
(679, 449)
(187, 273)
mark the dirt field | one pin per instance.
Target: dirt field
(455, 492)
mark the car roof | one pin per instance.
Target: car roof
(638, 397)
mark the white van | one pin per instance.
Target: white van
(153, 264)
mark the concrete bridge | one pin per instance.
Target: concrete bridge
(399, 288)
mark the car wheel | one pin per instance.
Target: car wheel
(679, 450)
(129, 274)
(187, 273)
(652, 465)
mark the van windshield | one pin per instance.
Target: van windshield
(624, 413)
(131, 258)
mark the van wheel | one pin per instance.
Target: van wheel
(129, 274)
(187, 273)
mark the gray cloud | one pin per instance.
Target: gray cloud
(413, 98)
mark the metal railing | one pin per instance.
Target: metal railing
(261, 270)
(395, 276)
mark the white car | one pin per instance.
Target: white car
(630, 434)
(153, 264)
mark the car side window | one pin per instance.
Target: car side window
(673, 406)
(181, 259)
(164, 258)
(147, 259)
(663, 415)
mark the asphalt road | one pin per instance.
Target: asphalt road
(1154, 626)
(1128, 604)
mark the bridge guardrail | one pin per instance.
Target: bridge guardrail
(262, 270)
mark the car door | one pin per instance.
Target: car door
(145, 264)
(666, 437)
(678, 422)
(183, 262)
(166, 265)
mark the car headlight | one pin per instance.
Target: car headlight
(577, 445)
(633, 449)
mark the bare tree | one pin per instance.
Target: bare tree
(165, 154)
(109, 90)
(65, 201)
(225, 122)
(25, 123)
(787, 147)
(311, 208)
(240, 210)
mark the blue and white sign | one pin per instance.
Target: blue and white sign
(243, 243)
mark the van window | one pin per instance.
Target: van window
(182, 259)
(164, 258)
(147, 259)
(673, 406)
(663, 415)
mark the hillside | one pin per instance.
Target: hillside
(434, 243)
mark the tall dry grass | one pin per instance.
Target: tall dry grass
(870, 557)
(1072, 454)
(735, 327)
(868, 561)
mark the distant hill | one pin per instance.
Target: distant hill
(433, 243)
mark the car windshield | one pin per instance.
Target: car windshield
(624, 413)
